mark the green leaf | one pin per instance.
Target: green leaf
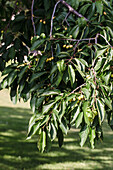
(87, 92)
(83, 135)
(48, 142)
(99, 63)
(87, 112)
(75, 32)
(47, 107)
(13, 95)
(100, 52)
(51, 92)
(108, 103)
(39, 101)
(101, 110)
(36, 76)
(61, 65)
(32, 103)
(59, 79)
(62, 112)
(79, 70)
(75, 113)
(53, 132)
(106, 77)
(66, 76)
(44, 120)
(99, 6)
(63, 126)
(71, 73)
(33, 128)
(60, 137)
(42, 142)
(83, 61)
(22, 71)
(37, 44)
(11, 77)
(92, 137)
(4, 83)
(63, 55)
(79, 119)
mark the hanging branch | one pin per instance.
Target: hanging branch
(53, 18)
(32, 15)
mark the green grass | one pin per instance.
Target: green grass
(18, 154)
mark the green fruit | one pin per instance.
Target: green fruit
(43, 35)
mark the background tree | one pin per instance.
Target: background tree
(68, 71)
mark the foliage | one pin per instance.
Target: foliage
(68, 73)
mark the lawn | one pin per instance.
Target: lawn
(17, 153)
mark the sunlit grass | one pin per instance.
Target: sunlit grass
(17, 153)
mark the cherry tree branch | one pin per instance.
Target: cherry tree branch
(53, 18)
(72, 10)
(65, 19)
(77, 88)
(32, 18)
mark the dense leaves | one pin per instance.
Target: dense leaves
(62, 60)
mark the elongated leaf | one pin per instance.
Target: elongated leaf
(101, 110)
(83, 135)
(53, 132)
(33, 129)
(60, 137)
(22, 71)
(42, 142)
(13, 95)
(11, 77)
(36, 76)
(61, 66)
(92, 136)
(37, 44)
(79, 70)
(32, 103)
(71, 73)
(99, 6)
(47, 107)
(63, 54)
(79, 119)
(48, 142)
(63, 108)
(76, 112)
(59, 79)
(100, 52)
(51, 92)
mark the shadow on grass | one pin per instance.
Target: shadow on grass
(17, 153)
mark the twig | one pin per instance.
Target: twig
(76, 47)
(53, 18)
(104, 39)
(32, 15)
(77, 88)
(65, 19)
(72, 10)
